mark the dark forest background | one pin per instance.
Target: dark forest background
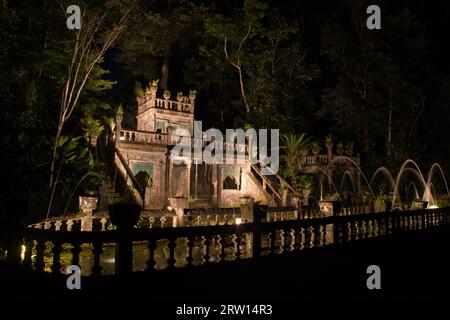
(301, 66)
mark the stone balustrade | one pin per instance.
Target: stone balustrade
(143, 137)
(322, 159)
(173, 105)
(224, 243)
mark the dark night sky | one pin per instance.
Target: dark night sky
(434, 16)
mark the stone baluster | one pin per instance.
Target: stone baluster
(103, 221)
(223, 244)
(273, 239)
(353, 230)
(307, 238)
(190, 246)
(27, 260)
(172, 244)
(151, 222)
(206, 243)
(58, 225)
(317, 236)
(97, 250)
(56, 264)
(76, 250)
(375, 227)
(298, 239)
(40, 249)
(288, 239)
(199, 222)
(162, 221)
(152, 245)
(69, 225)
(237, 242)
(324, 235)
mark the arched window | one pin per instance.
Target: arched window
(231, 178)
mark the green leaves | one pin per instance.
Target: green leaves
(92, 128)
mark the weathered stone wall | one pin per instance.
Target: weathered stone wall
(230, 198)
(147, 119)
(156, 155)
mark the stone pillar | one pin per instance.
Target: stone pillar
(214, 182)
(219, 184)
(169, 175)
(192, 95)
(179, 204)
(119, 119)
(246, 204)
(87, 205)
(188, 179)
(259, 214)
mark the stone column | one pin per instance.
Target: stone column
(179, 204)
(87, 205)
(246, 204)
(214, 182)
(188, 179)
(119, 119)
(169, 174)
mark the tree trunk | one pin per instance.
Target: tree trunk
(244, 97)
(165, 72)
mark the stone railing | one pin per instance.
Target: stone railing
(225, 146)
(212, 216)
(318, 160)
(322, 159)
(74, 223)
(143, 137)
(188, 246)
(173, 105)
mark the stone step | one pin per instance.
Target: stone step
(106, 189)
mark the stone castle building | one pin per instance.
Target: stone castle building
(143, 158)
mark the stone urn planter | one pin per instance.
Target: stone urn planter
(124, 215)
(87, 203)
(315, 149)
(295, 200)
(192, 95)
(153, 90)
(304, 152)
(305, 194)
(330, 208)
(180, 97)
(166, 94)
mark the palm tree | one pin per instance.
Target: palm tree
(292, 144)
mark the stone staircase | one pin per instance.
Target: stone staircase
(107, 196)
